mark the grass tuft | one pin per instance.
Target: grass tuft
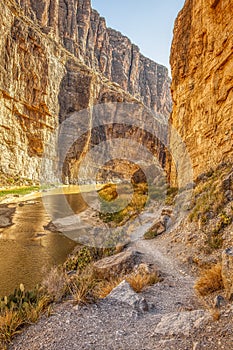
(209, 281)
(82, 286)
(55, 284)
(137, 280)
(140, 280)
(106, 286)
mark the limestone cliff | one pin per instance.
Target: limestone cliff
(202, 84)
(57, 57)
(83, 33)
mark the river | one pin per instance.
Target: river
(27, 248)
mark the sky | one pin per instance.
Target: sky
(148, 23)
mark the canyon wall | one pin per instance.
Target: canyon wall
(58, 57)
(83, 32)
(202, 82)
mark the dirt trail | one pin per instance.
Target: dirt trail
(176, 291)
(174, 313)
(155, 252)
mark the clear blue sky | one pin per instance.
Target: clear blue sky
(148, 23)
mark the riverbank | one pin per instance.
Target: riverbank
(15, 194)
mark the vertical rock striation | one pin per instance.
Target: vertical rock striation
(31, 71)
(58, 57)
(202, 84)
(83, 32)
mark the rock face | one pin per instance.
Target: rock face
(83, 33)
(58, 57)
(202, 84)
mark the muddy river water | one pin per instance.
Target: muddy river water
(27, 248)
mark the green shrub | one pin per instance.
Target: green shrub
(20, 299)
(85, 256)
(119, 216)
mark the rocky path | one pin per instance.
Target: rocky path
(176, 291)
(175, 319)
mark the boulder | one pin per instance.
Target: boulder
(6, 215)
(118, 264)
(182, 323)
(227, 272)
(5, 222)
(161, 225)
(227, 183)
(125, 294)
(157, 229)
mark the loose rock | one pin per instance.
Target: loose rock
(124, 293)
(182, 323)
(118, 264)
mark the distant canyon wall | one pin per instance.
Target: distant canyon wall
(202, 82)
(58, 57)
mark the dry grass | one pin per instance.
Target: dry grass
(55, 283)
(105, 287)
(86, 287)
(10, 324)
(32, 313)
(137, 280)
(140, 280)
(27, 307)
(82, 286)
(209, 195)
(13, 320)
(209, 281)
(215, 314)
